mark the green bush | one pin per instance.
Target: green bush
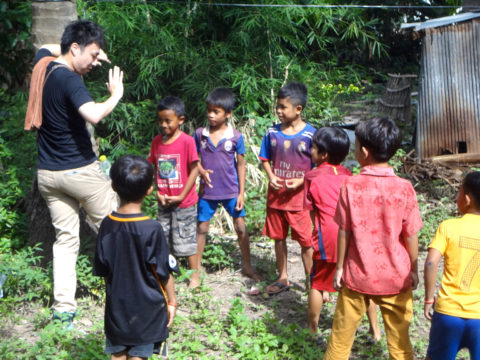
(189, 49)
(87, 283)
(25, 279)
(17, 166)
(218, 255)
(15, 23)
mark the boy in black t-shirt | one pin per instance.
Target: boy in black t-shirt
(133, 255)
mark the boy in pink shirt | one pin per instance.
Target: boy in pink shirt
(377, 245)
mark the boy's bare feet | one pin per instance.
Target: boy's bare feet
(249, 272)
(194, 280)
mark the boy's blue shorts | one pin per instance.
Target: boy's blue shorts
(143, 351)
(206, 208)
(449, 334)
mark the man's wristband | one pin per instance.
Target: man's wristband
(429, 301)
(175, 304)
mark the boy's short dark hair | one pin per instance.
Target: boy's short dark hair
(471, 186)
(334, 141)
(223, 98)
(296, 93)
(82, 32)
(172, 103)
(381, 136)
(132, 176)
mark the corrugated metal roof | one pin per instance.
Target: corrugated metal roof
(444, 21)
(449, 91)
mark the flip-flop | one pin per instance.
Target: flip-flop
(318, 341)
(254, 290)
(321, 342)
(280, 286)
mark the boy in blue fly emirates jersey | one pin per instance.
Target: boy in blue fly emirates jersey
(285, 155)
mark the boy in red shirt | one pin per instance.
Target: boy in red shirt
(377, 245)
(174, 155)
(330, 146)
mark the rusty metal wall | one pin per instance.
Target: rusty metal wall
(449, 91)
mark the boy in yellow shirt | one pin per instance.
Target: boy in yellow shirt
(456, 317)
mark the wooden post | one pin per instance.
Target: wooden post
(49, 18)
(396, 101)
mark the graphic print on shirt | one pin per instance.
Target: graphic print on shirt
(169, 172)
(474, 264)
(292, 151)
(290, 155)
(302, 146)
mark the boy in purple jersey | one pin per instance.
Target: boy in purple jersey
(222, 175)
(285, 155)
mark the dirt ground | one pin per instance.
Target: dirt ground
(289, 306)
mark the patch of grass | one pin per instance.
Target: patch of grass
(433, 213)
(217, 254)
(55, 343)
(206, 333)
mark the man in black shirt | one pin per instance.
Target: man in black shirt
(69, 173)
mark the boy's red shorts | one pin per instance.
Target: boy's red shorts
(278, 221)
(321, 276)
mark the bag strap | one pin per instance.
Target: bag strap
(54, 67)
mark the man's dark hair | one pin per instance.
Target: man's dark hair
(223, 98)
(334, 141)
(295, 92)
(172, 103)
(82, 32)
(471, 186)
(132, 176)
(381, 136)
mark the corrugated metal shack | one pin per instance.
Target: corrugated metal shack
(448, 119)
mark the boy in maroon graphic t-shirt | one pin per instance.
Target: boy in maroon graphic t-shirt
(175, 159)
